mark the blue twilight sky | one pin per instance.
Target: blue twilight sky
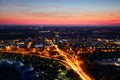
(78, 12)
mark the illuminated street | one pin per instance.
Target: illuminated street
(63, 53)
(72, 62)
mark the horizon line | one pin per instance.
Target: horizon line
(59, 25)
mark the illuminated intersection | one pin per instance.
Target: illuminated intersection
(69, 58)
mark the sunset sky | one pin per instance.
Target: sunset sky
(60, 12)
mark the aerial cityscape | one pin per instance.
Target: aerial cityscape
(59, 40)
(63, 53)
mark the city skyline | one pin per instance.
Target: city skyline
(60, 12)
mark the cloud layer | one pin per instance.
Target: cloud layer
(81, 12)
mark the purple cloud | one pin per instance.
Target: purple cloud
(52, 6)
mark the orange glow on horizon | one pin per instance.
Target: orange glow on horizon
(74, 22)
(75, 19)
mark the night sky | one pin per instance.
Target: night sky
(60, 12)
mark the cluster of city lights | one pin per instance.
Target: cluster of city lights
(73, 61)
